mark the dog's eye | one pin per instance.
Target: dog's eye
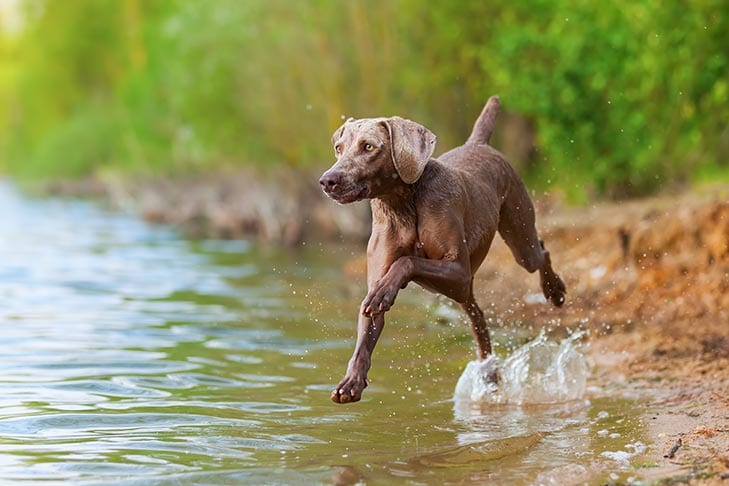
(369, 147)
(338, 149)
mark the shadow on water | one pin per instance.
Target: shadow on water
(132, 355)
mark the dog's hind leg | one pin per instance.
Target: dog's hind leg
(552, 286)
(480, 333)
(517, 228)
(478, 326)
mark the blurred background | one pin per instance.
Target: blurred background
(602, 99)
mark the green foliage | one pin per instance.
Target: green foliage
(69, 61)
(73, 149)
(626, 97)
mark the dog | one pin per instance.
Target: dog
(433, 221)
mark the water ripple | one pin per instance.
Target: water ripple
(77, 425)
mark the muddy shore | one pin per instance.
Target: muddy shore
(648, 280)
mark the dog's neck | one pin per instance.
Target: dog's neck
(395, 207)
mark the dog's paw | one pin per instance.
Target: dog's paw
(380, 299)
(349, 389)
(554, 289)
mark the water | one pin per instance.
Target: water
(539, 372)
(130, 355)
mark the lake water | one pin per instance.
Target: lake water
(129, 355)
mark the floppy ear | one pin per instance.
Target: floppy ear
(412, 145)
(338, 133)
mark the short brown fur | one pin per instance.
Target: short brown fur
(433, 221)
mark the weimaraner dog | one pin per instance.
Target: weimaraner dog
(433, 221)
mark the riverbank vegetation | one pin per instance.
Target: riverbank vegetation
(603, 99)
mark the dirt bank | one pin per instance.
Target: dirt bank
(650, 281)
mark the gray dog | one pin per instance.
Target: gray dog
(433, 221)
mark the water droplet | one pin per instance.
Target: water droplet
(541, 371)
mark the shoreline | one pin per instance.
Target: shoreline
(280, 207)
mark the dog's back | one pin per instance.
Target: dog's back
(483, 172)
(487, 187)
(481, 166)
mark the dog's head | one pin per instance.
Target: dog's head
(374, 153)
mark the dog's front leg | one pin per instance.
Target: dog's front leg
(451, 278)
(355, 381)
(381, 295)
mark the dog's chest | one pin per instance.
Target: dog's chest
(407, 243)
(418, 248)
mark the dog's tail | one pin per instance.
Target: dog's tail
(484, 126)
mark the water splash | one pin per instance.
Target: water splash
(541, 371)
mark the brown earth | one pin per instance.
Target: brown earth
(650, 281)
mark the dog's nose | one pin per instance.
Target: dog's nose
(330, 180)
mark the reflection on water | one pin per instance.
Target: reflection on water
(129, 354)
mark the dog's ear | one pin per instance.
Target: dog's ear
(412, 145)
(340, 131)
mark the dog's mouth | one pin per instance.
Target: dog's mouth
(350, 194)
